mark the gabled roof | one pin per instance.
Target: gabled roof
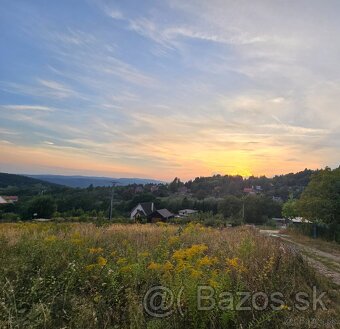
(165, 213)
(147, 207)
(2, 200)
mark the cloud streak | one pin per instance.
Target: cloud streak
(171, 89)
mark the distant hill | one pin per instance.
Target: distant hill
(20, 181)
(85, 181)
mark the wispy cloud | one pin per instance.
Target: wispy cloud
(39, 88)
(26, 108)
(173, 88)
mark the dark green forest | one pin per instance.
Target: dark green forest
(221, 197)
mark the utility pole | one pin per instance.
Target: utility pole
(111, 203)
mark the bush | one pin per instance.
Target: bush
(9, 216)
(42, 206)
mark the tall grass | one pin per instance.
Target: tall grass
(83, 276)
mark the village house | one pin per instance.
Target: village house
(8, 199)
(186, 212)
(249, 190)
(160, 215)
(148, 210)
(2, 200)
(11, 198)
(142, 210)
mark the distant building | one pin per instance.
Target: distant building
(148, 210)
(277, 199)
(299, 220)
(139, 189)
(11, 198)
(142, 210)
(187, 212)
(160, 215)
(2, 200)
(249, 190)
(280, 222)
(154, 188)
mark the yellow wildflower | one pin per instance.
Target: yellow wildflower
(167, 266)
(144, 254)
(173, 240)
(121, 261)
(207, 261)
(76, 235)
(154, 266)
(90, 267)
(101, 261)
(97, 298)
(189, 253)
(126, 269)
(51, 238)
(213, 283)
(235, 264)
(95, 250)
(195, 274)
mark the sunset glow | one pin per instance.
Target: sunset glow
(171, 88)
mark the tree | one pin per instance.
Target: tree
(258, 209)
(320, 201)
(289, 209)
(43, 206)
(175, 184)
(230, 206)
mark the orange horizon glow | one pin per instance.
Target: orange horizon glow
(42, 160)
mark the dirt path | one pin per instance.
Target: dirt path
(325, 263)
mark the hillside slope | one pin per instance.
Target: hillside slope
(7, 180)
(85, 181)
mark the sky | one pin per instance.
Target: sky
(169, 88)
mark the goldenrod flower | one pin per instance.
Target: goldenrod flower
(90, 267)
(101, 261)
(207, 261)
(195, 274)
(121, 261)
(189, 253)
(95, 250)
(236, 264)
(154, 266)
(173, 240)
(144, 254)
(126, 269)
(212, 283)
(167, 266)
(51, 238)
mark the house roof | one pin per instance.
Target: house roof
(2, 200)
(147, 207)
(165, 213)
(188, 210)
(300, 220)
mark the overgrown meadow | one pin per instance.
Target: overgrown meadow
(82, 276)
